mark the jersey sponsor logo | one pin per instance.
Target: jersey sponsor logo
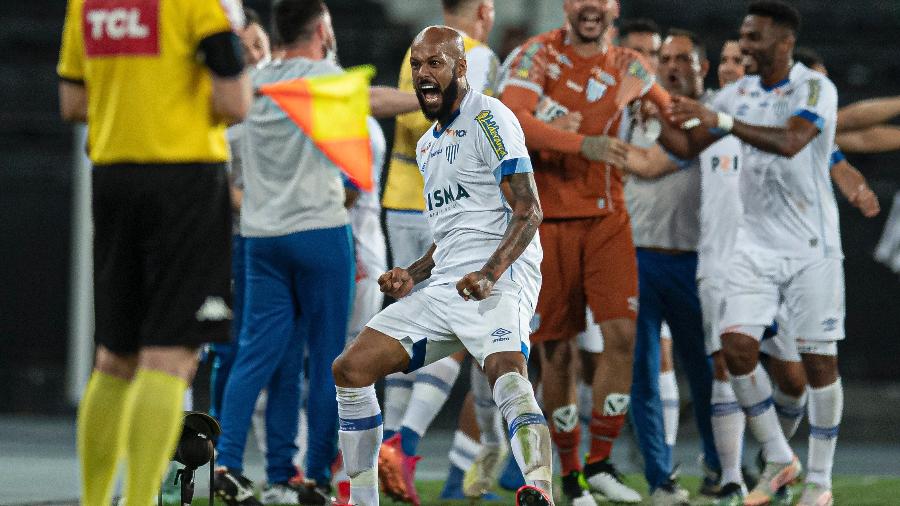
(564, 60)
(450, 152)
(606, 78)
(500, 335)
(445, 196)
(815, 87)
(455, 133)
(742, 110)
(119, 27)
(577, 88)
(490, 128)
(554, 71)
(595, 90)
(725, 164)
(829, 324)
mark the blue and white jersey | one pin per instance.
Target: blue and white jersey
(720, 205)
(789, 205)
(462, 165)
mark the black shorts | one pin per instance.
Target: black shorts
(162, 255)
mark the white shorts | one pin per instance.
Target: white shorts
(788, 349)
(811, 290)
(591, 340)
(712, 292)
(436, 322)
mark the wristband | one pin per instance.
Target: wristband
(725, 122)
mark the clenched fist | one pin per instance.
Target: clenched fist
(474, 285)
(396, 282)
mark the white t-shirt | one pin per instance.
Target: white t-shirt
(789, 205)
(462, 165)
(720, 205)
(365, 215)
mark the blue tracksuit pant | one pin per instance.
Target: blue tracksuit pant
(299, 289)
(223, 357)
(668, 291)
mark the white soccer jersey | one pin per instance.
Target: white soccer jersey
(462, 165)
(720, 205)
(789, 205)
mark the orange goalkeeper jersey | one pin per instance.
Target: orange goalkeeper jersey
(549, 79)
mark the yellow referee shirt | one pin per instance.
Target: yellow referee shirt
(149, 97)
(404, 186)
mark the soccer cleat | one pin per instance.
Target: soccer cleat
(234, 489)
(390, 473)
(709, 486)
(285, 493)
(669, 494)
(574, 491)
(482, 475)
(408, 473)
(816, 495)
(603, 478)
(532, 496)
(774, 476)
(731, 494)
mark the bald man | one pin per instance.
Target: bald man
(483, 264)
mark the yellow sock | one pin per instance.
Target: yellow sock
(154, 426)
(101, 436)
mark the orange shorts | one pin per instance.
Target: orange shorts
(587, 262)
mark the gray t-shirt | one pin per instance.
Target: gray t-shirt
(235, 174)
(289, 184)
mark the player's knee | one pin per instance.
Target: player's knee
(350, 373)
(720, 370)
(618, 339)
(498, 364)
(557, 353)
(741, 353)
(822, 370)
(116, 364)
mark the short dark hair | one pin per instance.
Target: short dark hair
(638, 25)
(252, 17)
(294, 20)
(808, 57)
(455, 6)
(782, 14)
(699, 46)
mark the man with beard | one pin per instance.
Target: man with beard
(788, 244)
(590, 257)
(484, 268)
(412, 401)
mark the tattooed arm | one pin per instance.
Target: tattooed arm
(398, 282)
(521, 193)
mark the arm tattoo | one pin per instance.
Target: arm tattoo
(521, 193)
(420, 270)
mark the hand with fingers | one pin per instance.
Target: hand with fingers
(603, 148)
(475, 285)
(570, 122)
(396, 282)
(690, 113)
(866, 201)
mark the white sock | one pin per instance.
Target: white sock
(826, 405)
(585, 402)
(668, 394)
(754, 393)
(302, 438)
(397, 390)
(728, 431)
(528, 432)
(259, 421)
(790, 411)
(486, 412)
(464, 450)
(360, 438)
(429, 393)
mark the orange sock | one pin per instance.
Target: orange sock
(604, 430)
(567, 444)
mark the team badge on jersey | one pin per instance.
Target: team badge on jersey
(595, 90)
(486, 120)
(450, 152)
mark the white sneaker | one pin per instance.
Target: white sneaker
(278, 494)
(670, 494)
(603, 478)
(482, 475)
(816, 495)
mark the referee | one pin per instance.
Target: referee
(157, 83)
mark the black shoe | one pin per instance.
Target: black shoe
(285, 493)
(234, 488)
(572, 487)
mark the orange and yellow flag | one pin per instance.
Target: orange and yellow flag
(332, 111)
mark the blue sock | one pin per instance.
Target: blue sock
(453, 485)
(409, 440)
(511, 478)
(388, 434)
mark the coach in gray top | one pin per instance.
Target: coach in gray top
(665, 217)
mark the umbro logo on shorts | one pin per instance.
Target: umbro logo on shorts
(213, 309)
(829, 324)
(500, 334)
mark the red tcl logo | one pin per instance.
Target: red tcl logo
(121, 27)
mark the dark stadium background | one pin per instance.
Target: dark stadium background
(858, 39)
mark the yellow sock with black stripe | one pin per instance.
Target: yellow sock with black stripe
(100, 435)
(154, 426)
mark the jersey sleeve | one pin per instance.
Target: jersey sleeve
(71, 53)
(723, 99)
(529, 69)
(816, 102)
(414, 122)
(500, 142)
(837, 156)
(209, 17)
(482, 69)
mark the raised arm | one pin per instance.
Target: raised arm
(387, 102)
(520, 192)
(867, 113)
